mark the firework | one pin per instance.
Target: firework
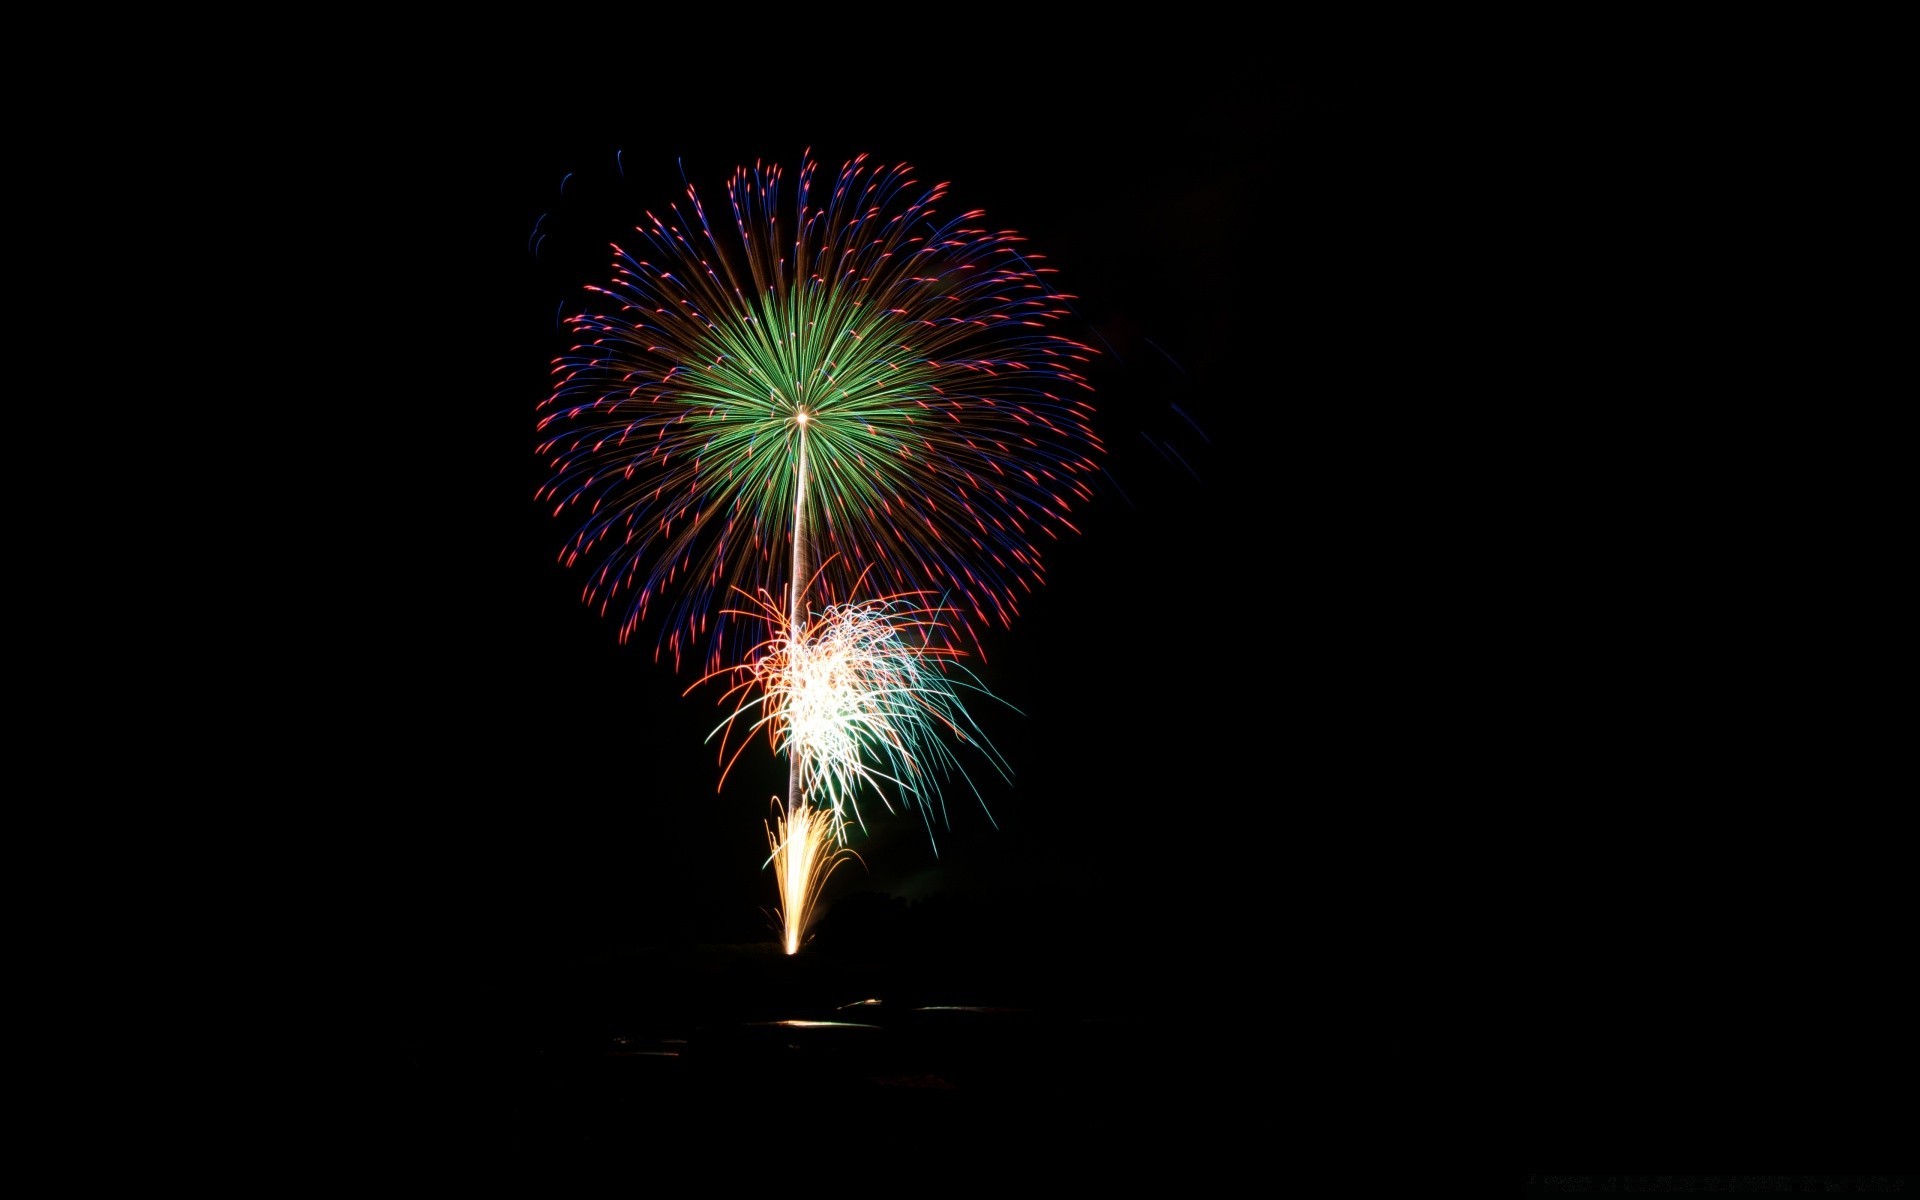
(857, 378)
(862, 699)
(804, 855)
(857, 369)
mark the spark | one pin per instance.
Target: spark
(864, 700)
(804, 855)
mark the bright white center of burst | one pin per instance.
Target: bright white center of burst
(801, 416)
(826, 696)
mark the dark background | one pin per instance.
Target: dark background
(1217, 644)
(1209, 687)
(1387, 744)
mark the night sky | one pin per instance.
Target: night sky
(1363, 606)
(560, 793)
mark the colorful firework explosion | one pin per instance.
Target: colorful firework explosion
(946, 428)
(862, 698)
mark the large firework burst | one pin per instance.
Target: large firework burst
(858, 369)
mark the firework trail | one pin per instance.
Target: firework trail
(903, 355)
(804, 854)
